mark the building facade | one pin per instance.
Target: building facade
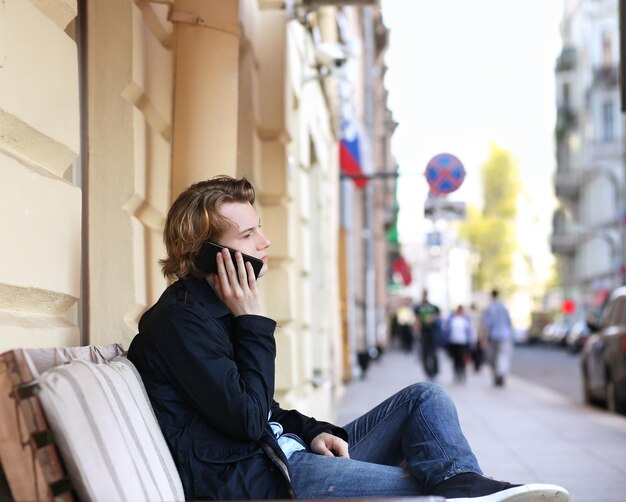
(109, 109)
(588, 226)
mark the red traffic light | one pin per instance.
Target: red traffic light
(568, 306)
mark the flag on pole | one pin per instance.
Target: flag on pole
(350, 153)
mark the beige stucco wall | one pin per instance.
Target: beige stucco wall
(39, 141)
(129, 103)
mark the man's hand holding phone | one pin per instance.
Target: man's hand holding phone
(207, 258)
(236, 286)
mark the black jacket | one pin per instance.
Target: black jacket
(210, 378)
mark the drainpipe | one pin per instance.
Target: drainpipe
(347, 190)
(370, 257)
(206, 64)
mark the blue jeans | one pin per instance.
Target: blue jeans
(404, 446)
(430, 360)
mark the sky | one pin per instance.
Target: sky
(465, 74)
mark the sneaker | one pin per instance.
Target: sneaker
(472, 487)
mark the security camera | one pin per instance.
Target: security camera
(330, 55)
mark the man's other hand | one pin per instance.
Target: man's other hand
(329, 445)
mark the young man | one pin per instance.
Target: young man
(206, 356)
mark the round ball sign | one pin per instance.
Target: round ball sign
(444, 173)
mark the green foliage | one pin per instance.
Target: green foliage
(555, 278)
(501, 185)
(491, 232)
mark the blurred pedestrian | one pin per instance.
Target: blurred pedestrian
(460, 337)
(478, 350)
(428, 329)
(395, 329)
(497, 323)
(403, 322)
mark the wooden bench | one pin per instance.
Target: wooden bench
(76, 424)
(31, 464)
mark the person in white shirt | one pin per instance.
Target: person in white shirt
(460, 339)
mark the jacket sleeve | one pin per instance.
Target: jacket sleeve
(228, 379)
(305, 427)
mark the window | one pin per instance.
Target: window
(618, 312)
(608, 121)
(615, 313)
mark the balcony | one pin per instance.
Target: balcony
(567, 184)
(606, 76)
(564, 244)
(566, 60)
(564, 155)
(564, 239)
(566, 121)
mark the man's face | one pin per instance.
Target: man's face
(244, 234)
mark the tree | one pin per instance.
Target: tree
(491, 232)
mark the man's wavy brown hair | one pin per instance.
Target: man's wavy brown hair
(195, 218)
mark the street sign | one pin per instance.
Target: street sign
(433, 239)
(437, 208)
(444, 173)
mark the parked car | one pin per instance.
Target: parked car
(604, 356)
(555, 332)
(578, 336)
(538, 320)
(520, 336)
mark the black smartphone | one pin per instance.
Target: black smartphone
(207, 259)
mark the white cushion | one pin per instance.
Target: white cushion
(107, 433)
(42, 359)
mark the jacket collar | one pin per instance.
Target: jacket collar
(205, 294)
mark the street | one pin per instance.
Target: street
(550, 366)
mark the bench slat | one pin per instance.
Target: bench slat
(30, 471)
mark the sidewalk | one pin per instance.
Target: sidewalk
(520, 433)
